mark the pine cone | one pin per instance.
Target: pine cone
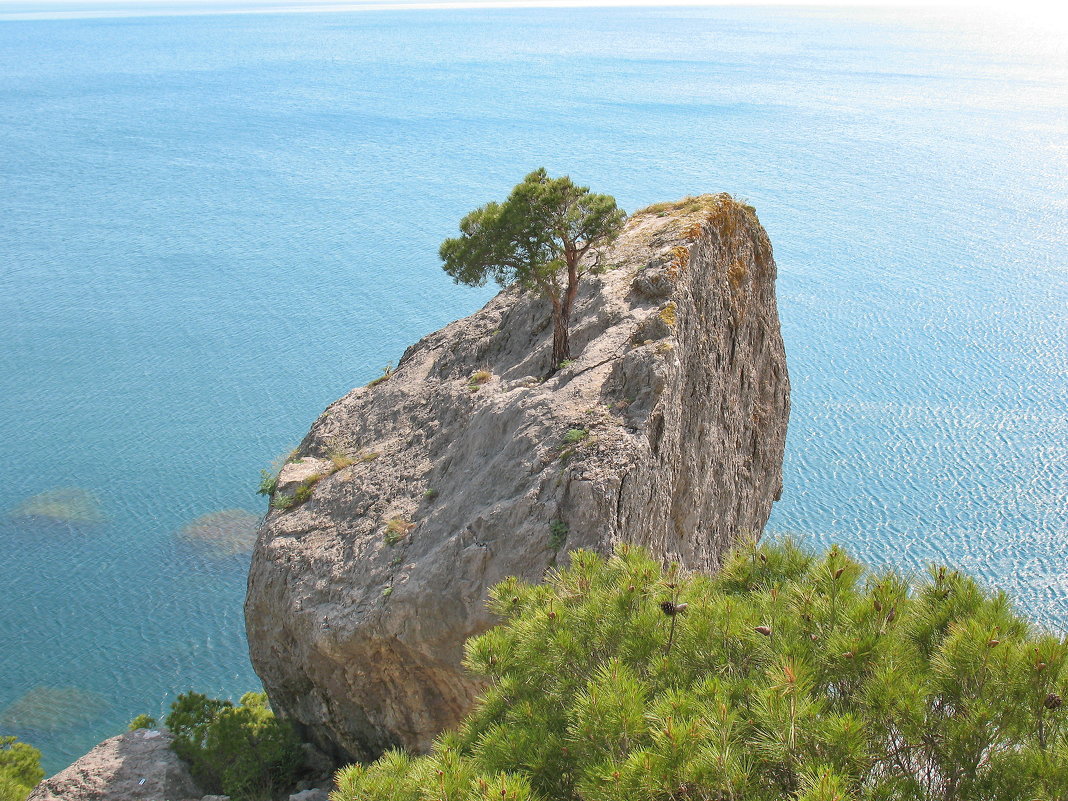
(765, 630)
(671, 609)
(1053, 701)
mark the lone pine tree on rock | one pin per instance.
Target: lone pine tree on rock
(536, 238)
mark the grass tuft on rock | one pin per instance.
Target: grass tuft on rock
(397, 528)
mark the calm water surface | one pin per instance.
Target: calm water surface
(212, 226)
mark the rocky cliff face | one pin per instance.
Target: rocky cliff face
(467, 465)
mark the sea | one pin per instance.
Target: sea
(214, 224)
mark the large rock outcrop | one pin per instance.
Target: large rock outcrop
(135, 766)
(469, 465)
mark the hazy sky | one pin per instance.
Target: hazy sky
(1048, 16)
(1022, 6)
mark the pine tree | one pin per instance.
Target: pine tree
(785, 676)
(537, 239)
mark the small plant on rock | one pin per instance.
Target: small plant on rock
(478, 379)
(268, 482)
(339, 460)
(397, 528)
(387, 373)
(558, 531)
(576, 435)
(283, 501)
(142, 722)
(304, 490)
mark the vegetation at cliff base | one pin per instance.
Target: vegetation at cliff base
(20, 769)
(536, 238)
(242, 751)
(786, 676)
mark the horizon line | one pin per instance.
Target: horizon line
(107, 9)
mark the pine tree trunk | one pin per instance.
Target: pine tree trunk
(561, 335)
(562, 312)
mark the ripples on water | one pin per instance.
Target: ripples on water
(212, 226)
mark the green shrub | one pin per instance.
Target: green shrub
(268, 482)
(283, 501)
(305, 488)
(243, 751)
(142, 722)
(20, 769)
(575, 435)
(785, 676)
(558, 531)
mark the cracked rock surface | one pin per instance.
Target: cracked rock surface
(468, 465)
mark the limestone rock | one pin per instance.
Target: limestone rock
(314, 794)
(300, 471)
(136, 766)
(667, 431)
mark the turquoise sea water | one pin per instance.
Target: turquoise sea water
(211, 226)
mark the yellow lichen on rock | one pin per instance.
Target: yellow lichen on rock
(668, 313)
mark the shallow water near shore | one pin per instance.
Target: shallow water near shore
(212, 226)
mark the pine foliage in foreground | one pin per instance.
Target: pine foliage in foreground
(785, 676)
(20, 769)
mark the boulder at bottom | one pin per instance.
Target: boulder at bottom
(137, 765)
